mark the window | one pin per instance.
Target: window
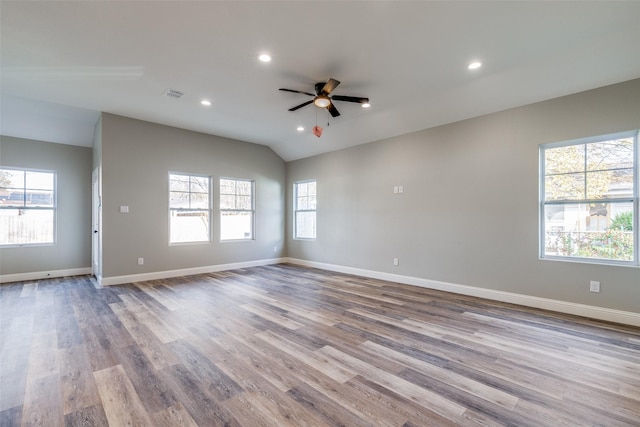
(589, 199)
(189, 208)
(27, 207)
(305, 209)
(236, 209)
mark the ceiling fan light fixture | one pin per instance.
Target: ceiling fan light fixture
(366, 105)
(322, 101)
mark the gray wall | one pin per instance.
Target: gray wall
(469, 211)
(73, 167)
(97, 144)
(136, 158)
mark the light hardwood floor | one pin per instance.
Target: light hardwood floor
(289, 346)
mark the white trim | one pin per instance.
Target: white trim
(118, 280)
(37, 275)
(543, 203)
(594, 312)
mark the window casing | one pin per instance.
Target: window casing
(189, 208)
(589, 200)
(305, 204)
(237, 209)
(27, 207)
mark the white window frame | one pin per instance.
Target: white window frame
(297, 210)
(251, 211)
(26, 207)
(633, 199)
(208, 210)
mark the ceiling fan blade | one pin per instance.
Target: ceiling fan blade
(330, 86)
(350, 99)
(297, 91)
(333, 110)
(300, 106)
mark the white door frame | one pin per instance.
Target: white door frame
(96, 225)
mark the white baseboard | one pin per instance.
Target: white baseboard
(118, 280)
(594, 312)
(38, 275)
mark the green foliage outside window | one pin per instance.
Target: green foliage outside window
(622, 222)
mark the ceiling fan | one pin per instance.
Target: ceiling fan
(322, 99)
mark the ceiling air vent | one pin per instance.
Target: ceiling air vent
(171, 93)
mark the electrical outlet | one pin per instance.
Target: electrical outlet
(396, 262)
(594, 286)
(140, 261)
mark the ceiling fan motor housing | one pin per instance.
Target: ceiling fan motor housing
(322, 99)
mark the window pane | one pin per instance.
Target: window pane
(15, 199)
(613, 154)
(243, 202)
(244, 188)
(26, 226)
(189, 208)
(227, 186)
(39, 180)
(312, 202)
(580, 226)
(32, 192)
(301, 189)
(39, 188)
(178, 182)
(597, 231)
(564, 187)
(227, 201)
(236, 196)
(199, 201)
(189, 226)
(306, 225)
(236, 225)
(305, 200)
(610, 184)
(564, 159)
(200, 184)
(179, 200)
(303, 203)
(42, 199)
(11, 179)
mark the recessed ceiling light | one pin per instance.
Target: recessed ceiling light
(264, 58)
(366, 105)
(205, 102)
(474, 65)
(300, 129)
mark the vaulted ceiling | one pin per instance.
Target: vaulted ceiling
(65, 61)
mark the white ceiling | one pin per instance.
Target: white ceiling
(65, 61)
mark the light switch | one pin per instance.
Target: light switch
(124, 209)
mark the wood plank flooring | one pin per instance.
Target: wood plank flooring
(289, 346)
